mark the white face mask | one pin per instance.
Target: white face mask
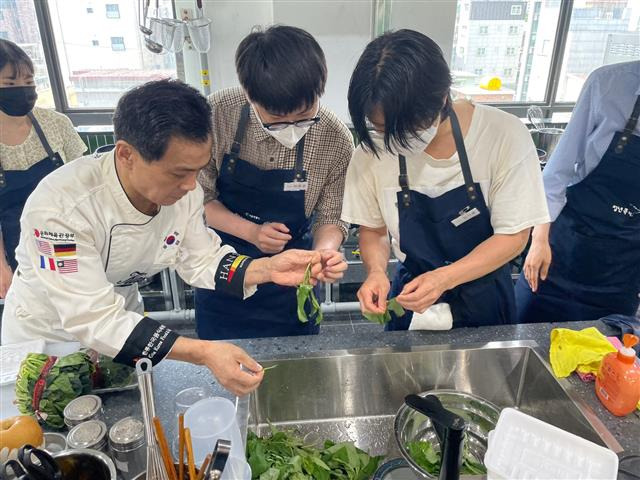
(416, 144)
(290, 136)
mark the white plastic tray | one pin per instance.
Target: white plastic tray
(523, 447)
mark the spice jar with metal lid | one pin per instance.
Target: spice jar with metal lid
(90, 434)
(128, 446)
(81, 409)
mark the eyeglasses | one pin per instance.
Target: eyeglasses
(304, 123)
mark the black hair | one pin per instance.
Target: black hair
(148, 116)
(403, 73)
(283, 69)
(12, 54)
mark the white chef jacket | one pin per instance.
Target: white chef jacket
(83, 247)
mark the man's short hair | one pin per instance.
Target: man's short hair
(282, 69)
(403, 73)
(148, 116)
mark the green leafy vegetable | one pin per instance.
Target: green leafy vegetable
(305, 295)
(384, 318)
(110, 374)
(69, 378)
(284, 456)
(428, 459)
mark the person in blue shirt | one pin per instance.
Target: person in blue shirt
(585, 264)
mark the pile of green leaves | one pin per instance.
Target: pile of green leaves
(110, 374)
(283, 456)
(384, 318)
(428, 459)
(305, 295)
(69, 378)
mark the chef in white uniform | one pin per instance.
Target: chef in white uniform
(94, 228)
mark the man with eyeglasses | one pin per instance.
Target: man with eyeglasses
(276, 177)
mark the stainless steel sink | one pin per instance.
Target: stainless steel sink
(354, 395)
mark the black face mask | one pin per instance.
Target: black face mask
(18, 101)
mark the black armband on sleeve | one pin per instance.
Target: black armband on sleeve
(230, 274)
(148, 339)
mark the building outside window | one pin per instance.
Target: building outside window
(95, 43)
(516, 10)
(113, 10)
(484, 30)
(511, 51)
(117, 44)
(481, 51)
(513, 30)
(89, 9)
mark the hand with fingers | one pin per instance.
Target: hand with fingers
(233, 367)
(289, 267)
(423, 291)
(333, 266)
(271, 237)
(373, 293)
(537, 263)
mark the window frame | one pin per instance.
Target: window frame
(124, 47)
(103, 116)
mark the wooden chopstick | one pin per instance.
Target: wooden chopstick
(164, 449)
(204, 466)
(192, 467)
(181, 446)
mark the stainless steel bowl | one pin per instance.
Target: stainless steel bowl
(547, 139)
(481, 417)
(85, 464)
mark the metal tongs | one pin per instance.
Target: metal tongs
(219, 459)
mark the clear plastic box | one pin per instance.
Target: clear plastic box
(523, 447)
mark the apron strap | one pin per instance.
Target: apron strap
(462, 155)
(300, 175)
(240, 130)
(43, 140)
(630, 126)
(403, 180)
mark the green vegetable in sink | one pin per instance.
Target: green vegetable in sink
(304, 295)
(68, 377)
(284, 456)
(428, 459)
(384, 318)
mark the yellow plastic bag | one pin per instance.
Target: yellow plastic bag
(577, 350)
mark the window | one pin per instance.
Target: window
(89, 9)
(484, 30)
(117, 44)
(113, 10)
(508, 72)
(16, 16)
(508, 36)
(95, 43)
(478, 71)
(600, 33)
(95, 76)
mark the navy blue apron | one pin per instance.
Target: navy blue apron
(15, 188)
(259, 196)
(595, 242)
(430, 239)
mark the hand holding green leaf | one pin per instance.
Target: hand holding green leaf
(304, 295)
(384, 318)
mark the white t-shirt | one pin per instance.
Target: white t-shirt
(503, 161)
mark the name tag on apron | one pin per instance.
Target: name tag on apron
(295, 186)
(464, 216)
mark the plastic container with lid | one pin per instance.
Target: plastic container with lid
(81, 409)
(90, 434)
(618, 379)
(128, 447)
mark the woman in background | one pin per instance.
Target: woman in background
(33, 142)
